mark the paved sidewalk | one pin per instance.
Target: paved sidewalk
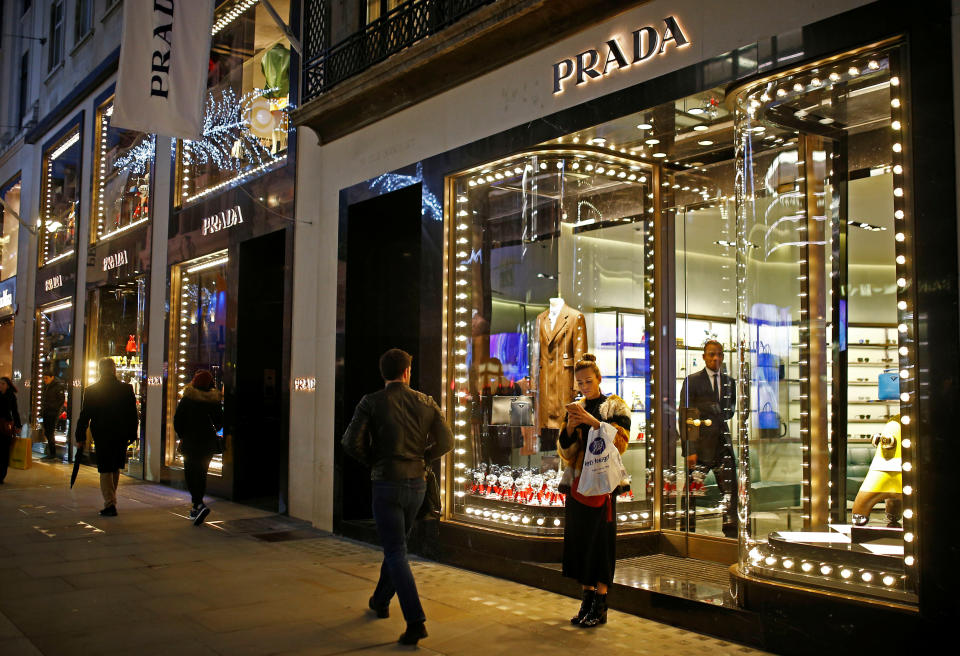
(148, 582)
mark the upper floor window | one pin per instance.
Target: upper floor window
(24, 87)
(60, 198)
(55, 41)
(82, 20)
(9, 228)
(124, 162)
(245, 122)
(25, 7)
(378, 8)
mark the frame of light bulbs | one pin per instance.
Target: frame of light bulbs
(458, 292)
(838, 572)
(50, 155)
(104, 112)
(42, 336)
(178, 377)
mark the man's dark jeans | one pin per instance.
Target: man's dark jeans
(395, 506)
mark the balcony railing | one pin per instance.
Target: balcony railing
(398, 29)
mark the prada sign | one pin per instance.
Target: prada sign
(115, 260)
(52, 283)
(645, 43)
(222, 220)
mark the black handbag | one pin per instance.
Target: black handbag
(431, 506)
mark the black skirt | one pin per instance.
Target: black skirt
(589, 542)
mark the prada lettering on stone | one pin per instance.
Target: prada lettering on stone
(52, 283)
(222, 220)
(162, 40)
(115, 260)
(644, 44)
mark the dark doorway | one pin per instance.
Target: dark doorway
(261, 440)
(382, 311)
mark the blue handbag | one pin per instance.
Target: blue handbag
(765, 358)
(889, 385)
(767, 418)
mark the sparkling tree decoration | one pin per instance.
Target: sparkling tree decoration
(137, 160)
(228, 141)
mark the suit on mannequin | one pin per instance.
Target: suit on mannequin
(562, 343)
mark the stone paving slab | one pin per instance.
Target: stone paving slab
(148, 582)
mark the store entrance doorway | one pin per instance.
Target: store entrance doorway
(261, 441)
(382, 311)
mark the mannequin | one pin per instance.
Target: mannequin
(562, 334)
(884, 480)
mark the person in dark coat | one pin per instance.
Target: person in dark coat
(110, 410)
(9, 422)
(198, 417)
(51, 406)
(590, 528)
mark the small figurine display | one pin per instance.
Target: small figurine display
(884, 480)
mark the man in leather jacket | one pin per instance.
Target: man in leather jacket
(395, 432)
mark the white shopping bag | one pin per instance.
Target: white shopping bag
(602, 466)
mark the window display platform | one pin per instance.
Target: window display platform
(872, 547)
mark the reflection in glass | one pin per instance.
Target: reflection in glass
(60, 199)
(198, 335)
(9, 229)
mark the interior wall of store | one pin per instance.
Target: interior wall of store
(505, 98)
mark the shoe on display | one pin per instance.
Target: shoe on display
(109, 511)
(860, 520)
(413, 634)
(202, 513)
(382, 612)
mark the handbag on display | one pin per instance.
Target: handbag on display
(767, 418)
(889, 385)
(431, 506)
(765, 358)
(511, 411)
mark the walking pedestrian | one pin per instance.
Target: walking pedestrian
(198, 417)
(51, 406)
(109, 409)
(590, 529)
(395, 432)
(9, 422)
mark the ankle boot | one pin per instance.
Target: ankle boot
(585, 604)
(597, 613)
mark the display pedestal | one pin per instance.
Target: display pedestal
(862, 534)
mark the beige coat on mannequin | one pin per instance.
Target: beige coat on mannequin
(560, 348)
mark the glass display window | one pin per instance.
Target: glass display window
(6, 348)
(198, 327)
(246, 124)
(123, 166)
(9, 228)
(54, 339)
(549, 257)
(60, 198)
(827, 331)
(116, 329)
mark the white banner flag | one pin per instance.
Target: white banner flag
(164, 56)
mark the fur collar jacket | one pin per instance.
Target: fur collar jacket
(211, 395)
(612, 408)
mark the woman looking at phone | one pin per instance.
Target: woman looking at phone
(590, 528)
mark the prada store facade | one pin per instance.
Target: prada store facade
(760, 212)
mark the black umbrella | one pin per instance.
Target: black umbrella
(76, 464)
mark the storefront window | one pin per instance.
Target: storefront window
(116, 329)
(60, 198)
(827, 327)
(54, 335)
(9, 229)
(246, 124)
(550, 257)
(197, 335)
(124, 162)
